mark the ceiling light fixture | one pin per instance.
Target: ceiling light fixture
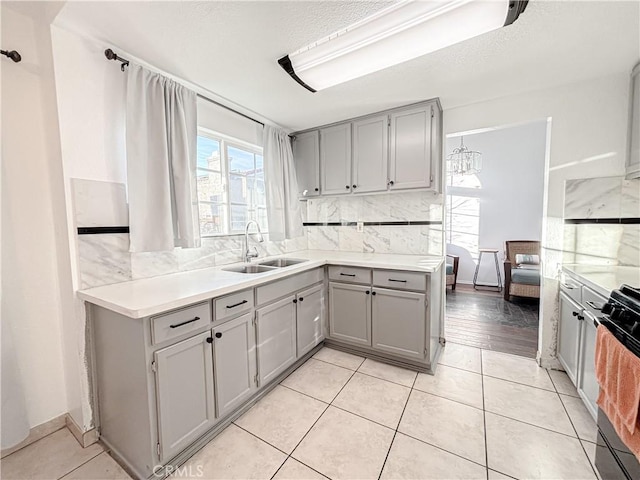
(396, 34)
(463, 161)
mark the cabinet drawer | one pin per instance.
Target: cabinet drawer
(400, 280)
(592, 301)
(287, 286)
(350, 274)
(232, 305)
(175, 324)
(572, 288)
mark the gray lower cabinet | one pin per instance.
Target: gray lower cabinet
(276, 338)
(398, 322)
(234, 362)
(309, 317)
(587, 384)
(569, 335)
(350, 313)
(185, 395)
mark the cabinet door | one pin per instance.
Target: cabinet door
(335, 159)
(370, 154)
(399, 322)
(234, 362)
(569, 335)
(306, 155)
(185, 395)
(350, 313)
(309, 318)
(411, 148)
(633, 158)
(588, 387)
(276, 336)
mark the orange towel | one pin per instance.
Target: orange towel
(618, 373)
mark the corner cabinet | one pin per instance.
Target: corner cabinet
(633, 154)
(306, 153)
(350, 313)
(398, 149)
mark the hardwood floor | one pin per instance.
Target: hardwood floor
(481, 318)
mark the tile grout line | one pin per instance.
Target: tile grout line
(395, 433)
(578, 436)
(84, 463)
(314, 424)
(484, 420)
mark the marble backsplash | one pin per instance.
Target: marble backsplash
(419, 206)
(601, 221)
(105, 258)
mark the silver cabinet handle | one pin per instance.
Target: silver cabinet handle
(593, 305)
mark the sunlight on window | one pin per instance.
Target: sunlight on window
(231, 188)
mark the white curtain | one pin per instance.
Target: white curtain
(162, 130)
(283, 207)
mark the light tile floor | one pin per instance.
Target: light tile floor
(484, 415)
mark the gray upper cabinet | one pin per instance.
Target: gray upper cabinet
(276, 338)
(370, 154)
(350, 313)
(234, 362)
(411, 148)
(309, 318)
(569, 335)
(399, 322)
(633, 157)
(306, 154)
(184, 393)
(335, 159)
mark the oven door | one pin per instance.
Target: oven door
(614, 461)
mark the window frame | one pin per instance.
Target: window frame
(225, 142)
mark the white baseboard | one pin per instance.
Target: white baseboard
(38, 432)
(84, 438)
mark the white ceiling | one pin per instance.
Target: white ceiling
(231, 48)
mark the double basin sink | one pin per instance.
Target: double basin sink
(266, 266)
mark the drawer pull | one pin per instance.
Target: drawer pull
(594, 306)
(348, 274)
(184, 323)
(237, 304)
(568, 287)
(399, 281)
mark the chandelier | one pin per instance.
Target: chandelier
(463, 161)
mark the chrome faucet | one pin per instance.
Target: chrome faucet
(248, 254)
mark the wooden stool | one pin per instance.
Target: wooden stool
(475, 275)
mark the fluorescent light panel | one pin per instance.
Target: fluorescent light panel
(396, 34)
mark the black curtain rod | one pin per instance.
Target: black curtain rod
(111, 55)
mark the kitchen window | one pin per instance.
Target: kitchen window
(230, 179)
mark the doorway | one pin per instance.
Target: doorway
(495, 197)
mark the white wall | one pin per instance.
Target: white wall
(506, 196)
(587, 139)
(34, 277)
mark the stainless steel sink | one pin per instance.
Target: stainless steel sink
(250, 269)
(282, 262)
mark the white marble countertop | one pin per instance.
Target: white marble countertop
(604, 278)
(150, 296)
